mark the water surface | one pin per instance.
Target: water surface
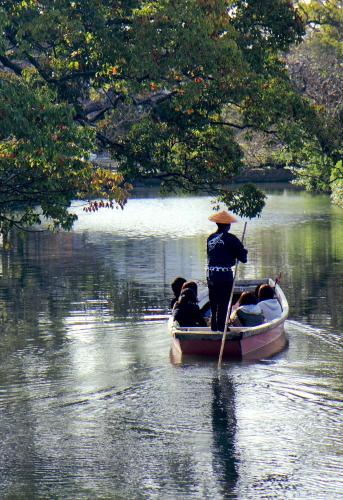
(90, 404)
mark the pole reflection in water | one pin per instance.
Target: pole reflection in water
(224, 434)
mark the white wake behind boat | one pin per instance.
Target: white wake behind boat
(245, 343)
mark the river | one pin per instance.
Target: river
(92, 407)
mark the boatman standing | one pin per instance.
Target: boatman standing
(223, 248)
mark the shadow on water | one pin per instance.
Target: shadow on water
(224, 426)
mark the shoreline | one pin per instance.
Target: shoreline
(253, 174)
(266, 174)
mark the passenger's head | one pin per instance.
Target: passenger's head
(177, 285)
(192, 285)
(187, 297)
(265, 292)
(257, 290)
(247, 298)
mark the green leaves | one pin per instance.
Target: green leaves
(314, 139)
(337, 183)
(162, 86)
(43, 159)
(246, 201)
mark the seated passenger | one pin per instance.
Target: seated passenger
(248, 312)
(186, 311)
(192, 285)
(176, 287)
(257, 290)
(270, 306)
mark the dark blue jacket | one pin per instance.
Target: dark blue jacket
(223, 248)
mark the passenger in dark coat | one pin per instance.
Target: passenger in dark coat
(223, 249)
(193, 286)
(186, 311)
(176, 287)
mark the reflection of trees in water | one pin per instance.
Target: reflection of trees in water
(310, 257)
(313, 273)
(224, 431)
(47, 276)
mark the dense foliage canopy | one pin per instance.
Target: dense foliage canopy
(163, 86)
(316, 68)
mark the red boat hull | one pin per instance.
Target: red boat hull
(254, 347)
(211, 348)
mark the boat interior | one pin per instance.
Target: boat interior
(244, 285)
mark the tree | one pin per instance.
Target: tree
(315, 67)
(154, 83)
(42, 159)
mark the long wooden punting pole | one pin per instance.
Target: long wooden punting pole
(229, 307)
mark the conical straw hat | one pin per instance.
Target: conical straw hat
(222, 217)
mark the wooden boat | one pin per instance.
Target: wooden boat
(243, 343)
